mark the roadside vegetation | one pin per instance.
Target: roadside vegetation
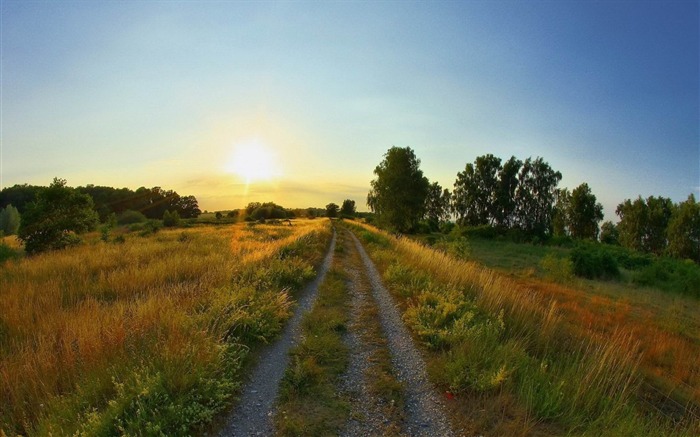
(147, 332)
(526, 355)
(310, 402)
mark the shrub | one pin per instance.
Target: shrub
(594, 262)
(558, 269)
(130, 216)
(6, 252)
(171, 219)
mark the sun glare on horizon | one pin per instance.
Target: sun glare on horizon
(253, 162)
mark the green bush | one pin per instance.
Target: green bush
(594, 262)
(130, 216)
(6, 252)
(558, 269)
(671, 275)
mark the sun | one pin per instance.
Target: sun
(253, 162)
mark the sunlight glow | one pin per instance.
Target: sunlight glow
(252, 161)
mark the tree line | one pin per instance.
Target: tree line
(523, 196)
(151, 202)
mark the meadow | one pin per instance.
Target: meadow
(523, 354)
(144, 333)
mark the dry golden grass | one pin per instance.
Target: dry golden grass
(609, 339)
(70, 319)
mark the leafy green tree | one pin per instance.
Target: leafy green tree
(398, 193)
(332, 210)
(465, 198)
(505, 193)
(437, 205)
(560, 214)
(633, 223)
(9, 220)
(684, 230)
(55, 217)
(608, 233)
(660, 212)
(347, 209)
(218, 215)
(535, 196)
(584, 213)
(643, 223)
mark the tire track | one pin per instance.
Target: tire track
(425, 412)
(370, 412)
(255, 410)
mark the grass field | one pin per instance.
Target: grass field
(148, 335)
(542, 357)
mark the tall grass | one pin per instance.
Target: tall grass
(490, 335)
(147, 336)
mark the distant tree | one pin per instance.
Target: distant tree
(171, 219)
(505, 193)
(437, 205)
(348, 208)
(218, 215)
(19, 196)
(252, 206)
(332, 210)
(398, 194)
(584, 213)
(560, 214)
(608, 233)
(465, 204)
(53, 219)
(232, 214)
(633, 223)
(535, 196)
(660, 211)
(9, 220)
(684, 230)
(311, 212)
(643, 223)
(487, 169)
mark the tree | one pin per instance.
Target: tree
(9, 220)
(437, 205)
(560, 214)
(584, 213)
(398, 193)
(505, 192)
(643, 223)
(218, 215)
(331, 210)
(608, 233)
(684, 230)
(535, 196)
(348, 208)
(465, 198)
(55, 217)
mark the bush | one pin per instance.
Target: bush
(171, 219)
(594, 262)
(671, 275)
(6, 252)
(558, 269)
(130, 216)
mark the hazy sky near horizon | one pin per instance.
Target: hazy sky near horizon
(169, 93)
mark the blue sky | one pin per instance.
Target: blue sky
(164, 93)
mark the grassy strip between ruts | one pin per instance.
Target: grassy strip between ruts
(381, 378)
(488, 339)
(144, 337)
(310, 403)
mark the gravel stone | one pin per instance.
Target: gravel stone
(255, 410)
(425, 411)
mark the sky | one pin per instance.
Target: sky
(297, 102)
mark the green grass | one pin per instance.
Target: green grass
(482, 343)
(309, 401)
